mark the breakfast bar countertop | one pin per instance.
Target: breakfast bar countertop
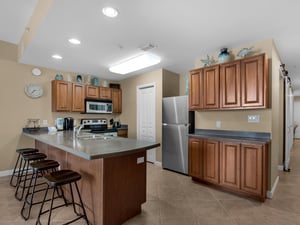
(91, 148)
(228, 135)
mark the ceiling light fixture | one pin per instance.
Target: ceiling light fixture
(74, 41)
(135, 63)
(110, 12)
(56, 56)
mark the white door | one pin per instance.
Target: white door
(289, 123)
(146, 117)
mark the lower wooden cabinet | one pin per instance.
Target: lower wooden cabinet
(238, 167)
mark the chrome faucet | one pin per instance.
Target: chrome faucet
(78, 129)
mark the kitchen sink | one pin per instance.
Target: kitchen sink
(94, 137)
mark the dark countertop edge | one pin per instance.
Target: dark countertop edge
(236, 136)
(103, 156)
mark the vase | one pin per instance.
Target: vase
(224, 56)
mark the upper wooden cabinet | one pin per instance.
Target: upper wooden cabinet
(196, 90)
(105, 93)
(116, 100)
(255, 81)
(211, 89)
(230, 85)
(239, 84)
(67, 96)
(91, 91)
(78, 95)
(61, 96)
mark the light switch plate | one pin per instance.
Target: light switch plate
(253, 118)
(218, 124)
(140, 160)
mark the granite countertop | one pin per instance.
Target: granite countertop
(91, 148)
(237, 136)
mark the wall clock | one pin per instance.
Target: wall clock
(34, 90)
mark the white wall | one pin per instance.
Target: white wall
(297, 115)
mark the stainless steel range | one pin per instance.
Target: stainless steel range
(98, 125)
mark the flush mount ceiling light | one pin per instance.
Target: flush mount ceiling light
(110, 12)
(135, 63)
(56, 56)
(74, 41)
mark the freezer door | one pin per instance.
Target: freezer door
(175, 110)
(175, 148)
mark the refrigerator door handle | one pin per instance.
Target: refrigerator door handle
(165, 124)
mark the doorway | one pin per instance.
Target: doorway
(146, 119)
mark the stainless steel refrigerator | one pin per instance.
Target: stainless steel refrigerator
(177, 122)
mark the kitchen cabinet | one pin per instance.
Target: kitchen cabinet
(240, 84)
(116, 100)
(236, 166)
(78, 95)
(196, 90)
(61, 96)
(211, 161)
(105, 93)
(91, 91)
(230, 165)
(255, 82)
(230, 88)
(195, 157)
(211, 89)
(253, 168)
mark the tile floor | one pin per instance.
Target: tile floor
(174, 199)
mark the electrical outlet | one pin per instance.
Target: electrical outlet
(218, 124)
(253, 118)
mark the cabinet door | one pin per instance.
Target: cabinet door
(252, 168)
(116, 100)
(196, 157)
(230, 165)
(211, 92)
(105, 93)
(255, 83)
(61, 96)
(92, 92)
(211, 161)
(78, 97)
(196, 90)
(230, 83)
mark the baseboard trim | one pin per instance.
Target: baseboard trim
(280, 167)
(6, 173)
(157, 163)
(271, 193)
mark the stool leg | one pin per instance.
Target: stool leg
(82, 206)
(38, 222)
(51, 205)
(26, 165)
(14, 173)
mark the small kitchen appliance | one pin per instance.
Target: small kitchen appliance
(68, 123)
(59, 123)
(98, 106)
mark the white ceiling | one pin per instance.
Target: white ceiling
(182, 31)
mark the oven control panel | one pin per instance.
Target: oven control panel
(94, 121)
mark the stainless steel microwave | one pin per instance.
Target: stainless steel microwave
(98, 106)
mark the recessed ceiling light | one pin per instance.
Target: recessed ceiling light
(74, 41)
(135, 63)
(56, 56)
(110, 12)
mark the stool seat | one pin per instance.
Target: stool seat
(35, 156)
(44, 165)
(62, 177)
(26, 150)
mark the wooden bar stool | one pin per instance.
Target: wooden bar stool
(22, 183)
(18, 166)
(39, 169)
(57, 179)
